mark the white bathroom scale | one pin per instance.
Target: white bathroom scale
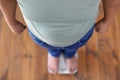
(62, 66)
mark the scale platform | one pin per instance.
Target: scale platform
(62, 66)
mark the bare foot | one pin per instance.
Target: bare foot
(72, 63)
(53, 63)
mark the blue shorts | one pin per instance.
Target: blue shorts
(68, 51)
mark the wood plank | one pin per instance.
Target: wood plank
(16, 51)
(92, 58)
(4, 50)
(117, 45)
(82, 73)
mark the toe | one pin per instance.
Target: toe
(52, 70)
(72, 69)
(55, 70)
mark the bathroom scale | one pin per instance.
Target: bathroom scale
(62, 66)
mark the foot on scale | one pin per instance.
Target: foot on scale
(61, 65)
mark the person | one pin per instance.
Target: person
(61, 26)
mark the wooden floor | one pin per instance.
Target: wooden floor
(22, 59)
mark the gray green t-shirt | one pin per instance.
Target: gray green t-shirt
(59, 22)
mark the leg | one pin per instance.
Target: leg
(54, 53)
(70, 51)
(53, 59)
(71, 59)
